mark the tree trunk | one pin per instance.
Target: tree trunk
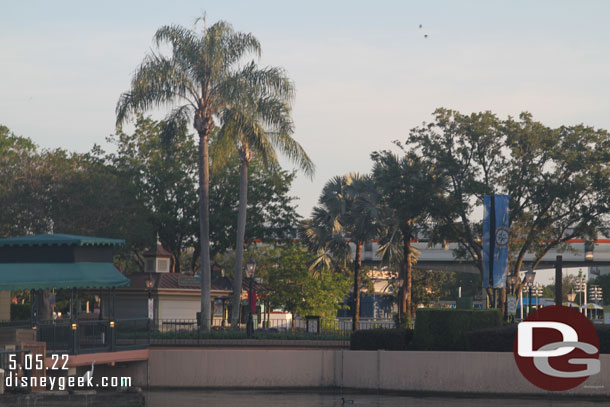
(409, 277)
(204, 227)
(241, 233)
(357, 267)
(402, 308)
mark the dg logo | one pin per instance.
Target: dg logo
(556, 348)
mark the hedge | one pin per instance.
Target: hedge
(445, 329)
(21, 312)
(502, 339)
(381, 339)
(492, 339)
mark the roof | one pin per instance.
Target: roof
(176, 281)
(158, 251)
(59, 240)
(22, 276)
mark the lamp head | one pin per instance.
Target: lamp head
(530, 275)
(250, 267)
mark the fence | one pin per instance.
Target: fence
(186, 332)
(64, 336)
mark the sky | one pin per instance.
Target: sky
(364, 72)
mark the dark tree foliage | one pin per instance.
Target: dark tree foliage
(271, 212)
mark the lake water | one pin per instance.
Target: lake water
(238, 398)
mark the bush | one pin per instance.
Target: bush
(502, 339)
(603, 331)
(21, 312)
(376, 339)
(491, 339)
(444, 329)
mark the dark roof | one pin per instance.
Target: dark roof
(158, 251)
(176, 281)
(59, 240)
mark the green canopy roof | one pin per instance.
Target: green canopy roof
(26, 276)
(59, 240)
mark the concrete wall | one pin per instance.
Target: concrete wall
(460, 372)
(242, 368)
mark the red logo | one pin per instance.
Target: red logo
(557, 348)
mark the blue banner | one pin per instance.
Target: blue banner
(495, 241)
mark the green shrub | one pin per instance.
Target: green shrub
(386, 339)
(463, 303)
(444, 329)
(492, 339)
(603, 331)
(21, 312)
(502, 339)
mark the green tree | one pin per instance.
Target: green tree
(259, 124)
(271, 213)
(347, 213)
(205, 76)
(557, 180)
(408, 186)
(160, 159)
(294, 288)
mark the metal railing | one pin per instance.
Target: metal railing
(65, 336)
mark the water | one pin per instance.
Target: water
(261, 398)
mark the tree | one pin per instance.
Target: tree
(205, 75)
(271, 214)
(408, 186)
(557, 180)
(347, 212)
(160, 159)
(23, 208)
(259, 124)
(293, 287)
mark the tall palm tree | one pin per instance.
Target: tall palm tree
(408, 187)
(347, 213)
(259, 123)
(201, 79)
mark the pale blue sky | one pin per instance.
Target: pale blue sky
(364, 73)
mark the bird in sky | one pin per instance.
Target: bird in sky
(420, 26)
(425, 35)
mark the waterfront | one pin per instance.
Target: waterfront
(314, 398)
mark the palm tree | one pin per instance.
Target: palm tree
(408, 186)
(204, 78)
(259, 124)
(347, 213)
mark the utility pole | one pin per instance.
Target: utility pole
(558, 280)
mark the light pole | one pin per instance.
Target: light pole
(250, 269)
(530, 275)
(538, 294)
(513, 279)
(581, 287)
(595, 293)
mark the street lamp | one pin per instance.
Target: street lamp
(530, 275)
(595, 293)
(513, 279)
(250, 269)
(538, 294)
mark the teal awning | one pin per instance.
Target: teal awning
(27, 276)
(59, 240)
